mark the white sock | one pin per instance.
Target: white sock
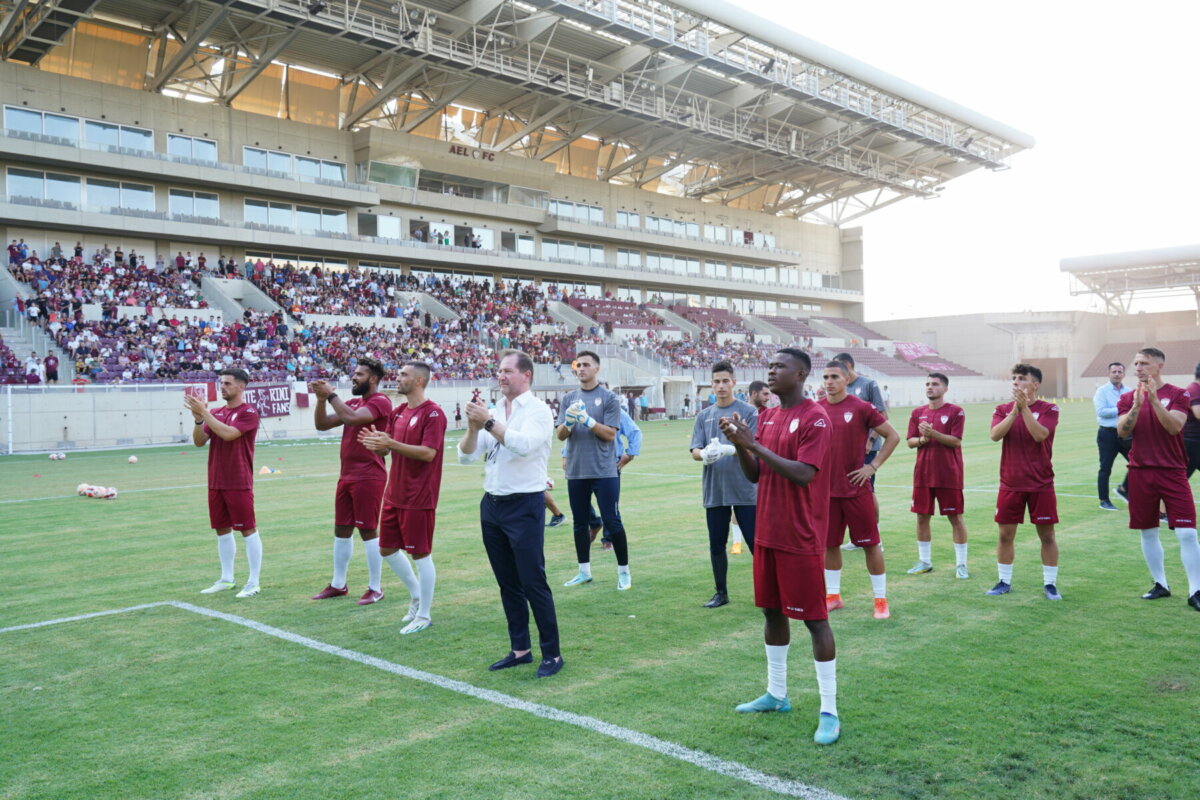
(404, 571)
(427, 578)
(1005, 571)
(1049, 574)
(374, 565)
(1189, 552)
(879, 585)
(777, 670)
(827, 685)
(1152, 551)
(960, 554)
(833, 581)
(586, 568)
(622, 570)
(342, 550)
(253, 557)
(226, 551)
(925, 552)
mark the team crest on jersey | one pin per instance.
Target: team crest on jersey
(795, 424)
(598, 401)
(232, 418)
(1036, 414)
(1166, 402)
(849, 415)
(412, 422)
(945, 419)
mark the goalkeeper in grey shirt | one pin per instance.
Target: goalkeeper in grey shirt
(726, 490)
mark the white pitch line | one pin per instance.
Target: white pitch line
(94, 614)
(699, 758)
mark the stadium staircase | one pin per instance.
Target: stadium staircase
(685, 325)
(571, 317)
(234, 295)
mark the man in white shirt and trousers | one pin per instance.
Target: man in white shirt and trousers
(515, 442)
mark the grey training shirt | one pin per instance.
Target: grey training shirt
(723, 482)
(589, 456)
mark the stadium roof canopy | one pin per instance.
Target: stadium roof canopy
(700, 99)
(1118, 277)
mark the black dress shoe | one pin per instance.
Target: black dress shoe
(511, 660)
(549, 666)
(1157, 591)
(1194, 600)
(719, 599)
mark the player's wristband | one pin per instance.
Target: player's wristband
(331, 395)
(199, 422)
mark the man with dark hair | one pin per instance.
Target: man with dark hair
(1191, 428)
(723, 486)
(231, 429)
(590, 418)
(1107, 440)
(363, 476)
(760, 395)
(788, 457)
(852, 422)
(1026, 427)
(865, 389)
(1154, 414)
(516, 441)
(406, 521)
(935, 431)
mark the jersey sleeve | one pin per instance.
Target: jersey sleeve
(814, 441)
(877, 397)
(998, 415)
(874, 418)
(380, 406)
(957, 424)
(612, 412)
(698, 441)
(914, 422)
(1191, 396)
(562, 410)
(1048, 419)
(1125, 403)
(433, 432)
(246, 420)
(751, 419)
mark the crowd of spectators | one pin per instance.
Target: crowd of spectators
(712, 320)
(702, 353)
(619, 314)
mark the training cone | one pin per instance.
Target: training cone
(736, 549)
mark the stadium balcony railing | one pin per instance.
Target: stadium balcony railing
(752, 248)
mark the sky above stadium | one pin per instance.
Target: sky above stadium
(1110, 99)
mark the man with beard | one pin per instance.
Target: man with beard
(363, 475)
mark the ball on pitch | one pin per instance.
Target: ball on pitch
(109, 493)
(133, 459)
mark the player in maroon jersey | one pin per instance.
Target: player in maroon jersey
(1026, 427)
(418, 436)
(1154, 414)
(363, 475)
(788, 457)
(230, 431)
(851, 504)
(936, 431)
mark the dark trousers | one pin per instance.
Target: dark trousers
(608, 495)
(1193, 451)
(718, 536)
(1110, 445)
(513, 536)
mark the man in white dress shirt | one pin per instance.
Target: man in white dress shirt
(515, 442)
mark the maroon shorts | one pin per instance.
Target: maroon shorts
(231, 508)
(855, 513)
(1149, 486)
(1010, 507)
(949, 501)
(408, 529)
(356, 504)
(793, 583)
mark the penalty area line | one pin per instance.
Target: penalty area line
(698, 758)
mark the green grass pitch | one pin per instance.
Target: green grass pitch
(957, 696)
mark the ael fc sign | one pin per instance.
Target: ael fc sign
(467, 152)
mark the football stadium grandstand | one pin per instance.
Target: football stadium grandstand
(445, 179)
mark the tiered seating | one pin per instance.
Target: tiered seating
(713, 320)
(364, 293)
(945, 366)
(880, 363)
(855, 328)
(798, 328)
(11, 368)
(703, 353)
(619, 314)
(1181, 358)
(60, 286)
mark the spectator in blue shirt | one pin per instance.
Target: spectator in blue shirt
(1107, 440)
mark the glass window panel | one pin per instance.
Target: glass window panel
(66, 127)
(25, 183)
(180, 202)
(280, 214)
(64, 188)
(549, 248)
(253, 157)
(22, 119)
(392, 174)
(103, 194)
(308, 219)
(256, 212)
(204, 149)
(208, 205)
(596, 214)
(137, 138)
(333, 220)
(179, 145)
(101, 133)
(333, 171)
(388, 227)
(487, 238)
(279, 162)
(308, 167)
(138, 196)
(693, 229)
(525, 245)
